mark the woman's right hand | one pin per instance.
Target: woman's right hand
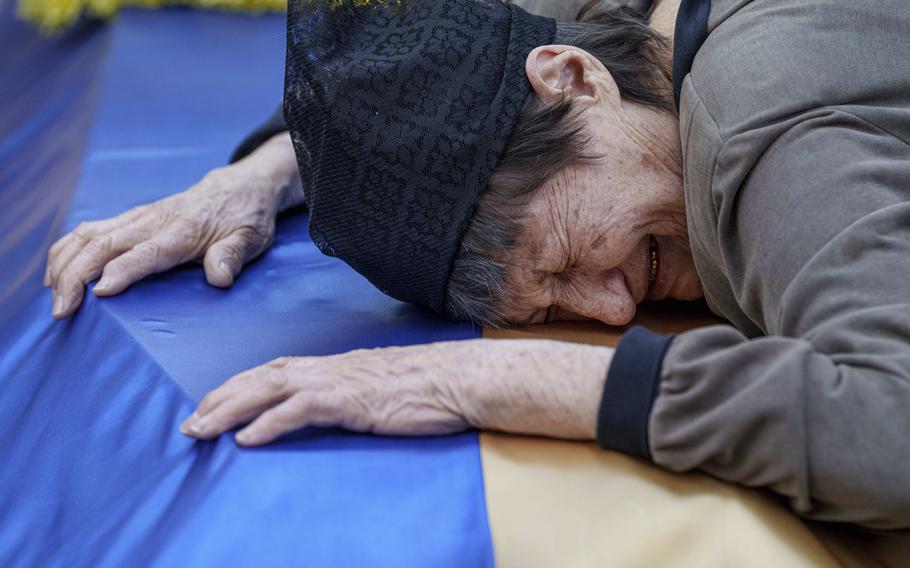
(225, 220)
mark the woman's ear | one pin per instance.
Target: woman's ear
(561, 71)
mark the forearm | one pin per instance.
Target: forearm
(557, 395)
(828, 431)
(537, 387)
(273, 125)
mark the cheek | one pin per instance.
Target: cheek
(688, 285)
(692, 289)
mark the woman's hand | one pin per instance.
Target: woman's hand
(541, 387)
(225, 220)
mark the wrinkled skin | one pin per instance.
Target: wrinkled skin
(585, 247)
(224, 221)
(592, 263)
(523, 386)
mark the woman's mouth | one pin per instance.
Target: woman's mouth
(654, 268)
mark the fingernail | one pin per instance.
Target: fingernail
(225, 268)
(198, 427)
(102, 285)
(58, 307)
(244, 437)
(189, 425)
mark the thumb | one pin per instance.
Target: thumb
(225, 259)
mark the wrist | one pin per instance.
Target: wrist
(538, 387)
(275, 163)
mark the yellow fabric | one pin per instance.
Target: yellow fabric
(552, 503)
(54, 15)
(556, 503)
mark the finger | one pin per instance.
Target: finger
(69, 286)
(237, 384)
(68, 246)
(225, 259)
(53, 255)
(293, 414)
(61, 253)
(211, 400)
(238, 406)
(155, 255)
(270, 377)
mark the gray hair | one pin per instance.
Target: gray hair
(545, 140)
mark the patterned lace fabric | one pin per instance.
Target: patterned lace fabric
(398, 111)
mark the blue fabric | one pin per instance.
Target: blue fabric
(95, 472)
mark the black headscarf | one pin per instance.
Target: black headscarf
(398, 111)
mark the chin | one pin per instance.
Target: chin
(689, 290)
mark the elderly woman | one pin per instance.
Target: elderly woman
(492, 165)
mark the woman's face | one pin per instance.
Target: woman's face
(595, 246)
(599, 238)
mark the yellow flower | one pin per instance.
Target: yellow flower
(55, 15)
(103, 8)
(50, 15)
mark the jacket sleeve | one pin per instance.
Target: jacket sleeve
(272, 126)
(818, 410)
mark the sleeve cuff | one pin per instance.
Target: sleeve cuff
(629, 392)
(256, 138)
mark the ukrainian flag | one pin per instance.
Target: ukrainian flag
(94, 470)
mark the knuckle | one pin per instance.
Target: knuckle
(67, 280)
(274, 381)
(279, 363)
(58, 245)
(99, 244)
(228, 414)
(188, 232)
(148, 250)
(136, 214)
(73, 275)
(144, 212)
(72, 294)
(230, 250)
(84, 230)
(207, 403)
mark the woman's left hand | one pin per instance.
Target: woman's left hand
(538, 387)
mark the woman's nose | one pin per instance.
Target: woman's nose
(604, 296)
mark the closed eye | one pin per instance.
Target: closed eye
(536, 317)
(550, 314)
(543, 315)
